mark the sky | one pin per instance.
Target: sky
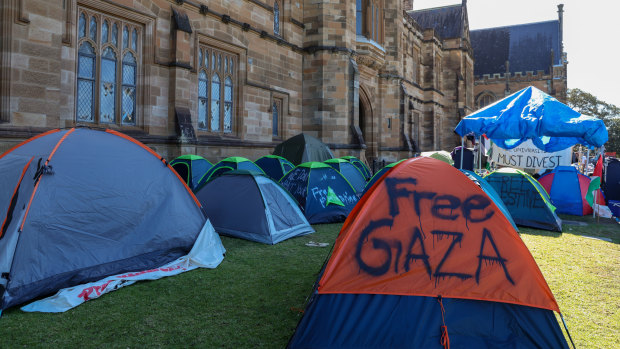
(591, 35)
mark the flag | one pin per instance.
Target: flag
(595, 183)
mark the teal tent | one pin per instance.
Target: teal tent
(274, 166)
(349, 171)
(191, 168)
(526, 200)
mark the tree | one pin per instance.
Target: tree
(587, 104)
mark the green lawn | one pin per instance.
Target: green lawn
(254, 298)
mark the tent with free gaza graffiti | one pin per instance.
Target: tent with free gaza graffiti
(526, 200)
(78, 205)
(426, 260)
(567, 189)
(191, 168)
(322, 192)
(270, 214)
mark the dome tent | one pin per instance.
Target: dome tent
(191, 168)
(350, 172)
(360, 165)
(87, 204)
(567, 189)
(274, 166)
(270, 214)
(229, 164)
(322, 192)
(526, 200)
(303, 148)
(419, 273)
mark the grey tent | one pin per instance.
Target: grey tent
(78, 205)
(303, 148)
(251, 206)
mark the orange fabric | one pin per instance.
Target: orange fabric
(36, 186)
(427, 230)
(28, 140)
(133, 140)
(21, 177)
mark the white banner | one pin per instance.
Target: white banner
(526, 155)
(207, 252)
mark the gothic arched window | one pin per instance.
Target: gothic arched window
(107, 69)
(216, 90)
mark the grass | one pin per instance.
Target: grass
(254, 298)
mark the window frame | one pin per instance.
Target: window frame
(372, 19)
(227, 68)
(136, 49)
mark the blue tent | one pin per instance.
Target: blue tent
(526, 200)
(79, 205)
(191, 168)
(274, 166)
(490, 191)
(533, 114)
(379, 174)
(270, 214)
(322, 192)
(228, 164)
(359, 164)
(349, 171)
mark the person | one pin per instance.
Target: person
(583, 165)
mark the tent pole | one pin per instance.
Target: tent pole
(594, 205)
(480, 154)
(585, 169)
(462, 151)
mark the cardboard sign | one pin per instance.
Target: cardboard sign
(526, 155)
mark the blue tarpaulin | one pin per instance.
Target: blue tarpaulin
(533, 114)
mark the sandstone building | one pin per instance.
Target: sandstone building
(508, 59)
(371, 78)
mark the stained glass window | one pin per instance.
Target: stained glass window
(115, 35)
(104, 32)
(86, 83)
(276, 18)
(199, 57)
(134, 40)
(203, 100)
(216, 90)
(215, 103)
(106, 81)
(128, 102)
(93, 28)
(228, 105)
(82, 26)
(125, 37)
(107, 95)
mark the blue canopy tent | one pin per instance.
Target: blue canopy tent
(533, 114)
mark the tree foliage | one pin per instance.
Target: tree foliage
(588, 104)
